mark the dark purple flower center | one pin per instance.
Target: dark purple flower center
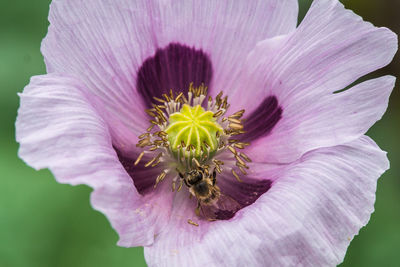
(167, 77)
(174, 67)
(262, 120)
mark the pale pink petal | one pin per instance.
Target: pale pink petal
(58, 128)
(105, 42)
(331, 48)
(137, 219)
(330, 120)
(307, 218)
(226, 30)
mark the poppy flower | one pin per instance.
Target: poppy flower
(214, 132)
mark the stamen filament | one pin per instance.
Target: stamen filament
(236, 176)
(139, 158)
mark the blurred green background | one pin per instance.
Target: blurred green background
(43, 223)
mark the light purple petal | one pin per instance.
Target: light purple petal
(105, 42)
(332, 48)
(137, 219)
(330, 120)
(307, 218)
(226, 30)
(58, 128)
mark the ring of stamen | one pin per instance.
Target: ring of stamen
(190, 135)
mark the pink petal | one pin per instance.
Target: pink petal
(105, 43)
(331, 120)
(137, 219)
(226, 30)
(307, 218)
(332, 48)
(58, 128)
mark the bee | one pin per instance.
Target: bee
(211, 203)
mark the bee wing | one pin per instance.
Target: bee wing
(223, 209)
